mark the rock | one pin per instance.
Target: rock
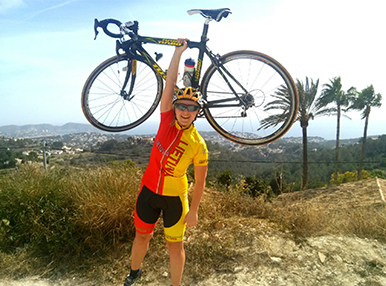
(374, 263)
(219, 225)
(276, 259)
(205, 235)
(322, 257)
(338, 258)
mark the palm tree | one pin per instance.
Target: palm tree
(363, 101)
(307, 110)
(333, 93)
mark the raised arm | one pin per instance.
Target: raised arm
(171, 78)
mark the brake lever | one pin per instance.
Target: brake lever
(96, 25)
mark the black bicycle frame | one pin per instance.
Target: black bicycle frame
(134, 48)
(170, 42)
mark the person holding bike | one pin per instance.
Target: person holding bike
(164, 185)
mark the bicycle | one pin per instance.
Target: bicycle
(243, 90)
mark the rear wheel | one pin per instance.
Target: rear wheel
(266, 103)
(120, 94)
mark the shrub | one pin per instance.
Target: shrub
(256, 187)
(349, 177)
(66, 212)
(105, 198)
(35, 210)
(378, 173)
(225, 178)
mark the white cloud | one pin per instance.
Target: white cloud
(52, 8)
(6, 5)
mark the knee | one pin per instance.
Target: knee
(143, 238)
(175, 246)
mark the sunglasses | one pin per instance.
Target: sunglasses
(190, 108)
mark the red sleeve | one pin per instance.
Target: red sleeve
(167, 117)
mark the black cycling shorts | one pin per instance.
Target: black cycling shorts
(148, 210)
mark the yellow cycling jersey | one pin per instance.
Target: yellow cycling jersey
(174, 150)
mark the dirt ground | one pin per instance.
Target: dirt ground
(345, 261)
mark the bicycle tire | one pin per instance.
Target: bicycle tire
(267, 116)
(107, 107)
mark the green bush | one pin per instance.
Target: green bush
(62, 212)
(35, 210)
(349, 177)
(225, 178)
(378, 174)
(256, 187)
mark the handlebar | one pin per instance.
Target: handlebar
(103, 24)
(125, 29)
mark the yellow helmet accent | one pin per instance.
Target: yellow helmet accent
(187, 93)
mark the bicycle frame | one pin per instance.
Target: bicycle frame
(134, 46)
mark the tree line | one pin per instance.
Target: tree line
(288, 163)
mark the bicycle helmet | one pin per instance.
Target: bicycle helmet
(187, 93)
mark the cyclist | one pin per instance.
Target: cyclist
(164, 184)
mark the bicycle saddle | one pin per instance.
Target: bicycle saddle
(216, 14)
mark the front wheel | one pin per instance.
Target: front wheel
(250, 98)
(120, 94)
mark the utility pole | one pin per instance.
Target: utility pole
(44, 156)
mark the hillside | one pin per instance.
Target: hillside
(49, 130)
(255, 251)
(350, 195)
(40, 130)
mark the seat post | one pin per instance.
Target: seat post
(202, 49)
(205, 30)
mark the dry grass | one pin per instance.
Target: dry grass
(351, 209)
(99, 225)
(105, 199)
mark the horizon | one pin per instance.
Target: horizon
(151, 129)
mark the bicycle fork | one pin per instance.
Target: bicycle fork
(131, 70)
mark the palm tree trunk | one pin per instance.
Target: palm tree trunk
(305, 158)
(337, 147)
(363, 147)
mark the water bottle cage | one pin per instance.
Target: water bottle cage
(187, 78)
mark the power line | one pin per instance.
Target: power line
(290, 162)
(141, 157)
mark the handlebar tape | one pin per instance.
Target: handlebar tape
(103, 24)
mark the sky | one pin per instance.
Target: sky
(47, 49)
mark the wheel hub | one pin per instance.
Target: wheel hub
(254, 98)
(125, 95)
